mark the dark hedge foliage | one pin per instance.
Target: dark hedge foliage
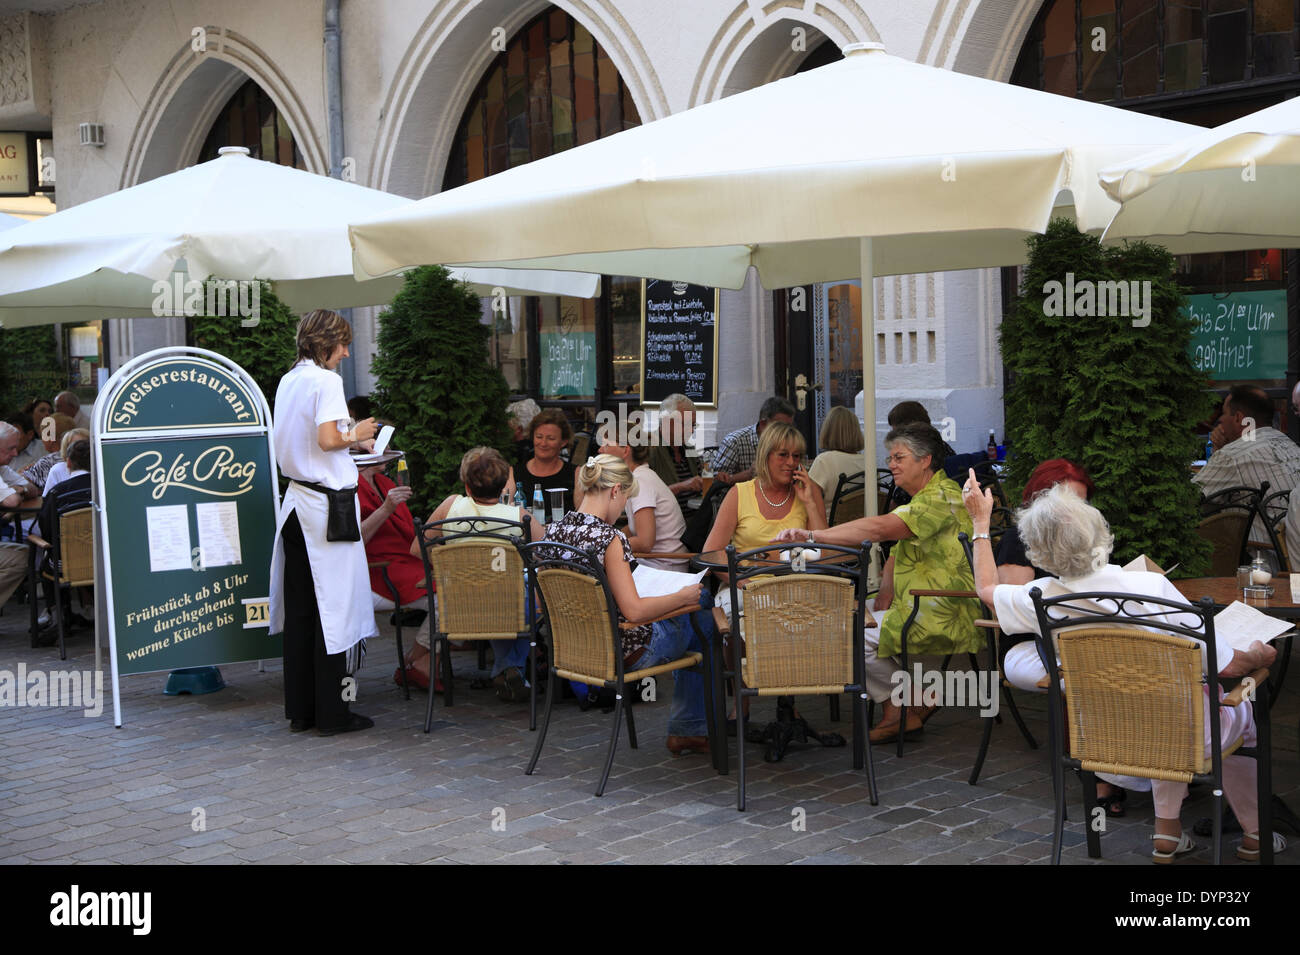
(435, 382)
(265, 350)
(1121, 400)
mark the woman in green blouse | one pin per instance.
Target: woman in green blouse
(928, 557)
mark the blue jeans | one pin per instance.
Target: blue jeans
(510, 653)
(670, 640)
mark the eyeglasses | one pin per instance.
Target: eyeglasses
(899, 458)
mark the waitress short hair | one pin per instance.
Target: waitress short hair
(551, 416)
(319, 333)
(484, 472)
(775, 436)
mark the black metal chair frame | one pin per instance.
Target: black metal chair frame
(382, 567)
(1240, 498)
(1279, 500)
(480, 528)
(1076, 614)
(579, 561)
(994, 655)
(847, 484)
(737, 571)
(35, 552)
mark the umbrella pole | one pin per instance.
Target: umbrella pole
(870, 500)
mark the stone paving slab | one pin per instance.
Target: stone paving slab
(218, 779)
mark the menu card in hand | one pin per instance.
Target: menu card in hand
(1239, 625)
(654, 582)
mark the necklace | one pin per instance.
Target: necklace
(785, 500)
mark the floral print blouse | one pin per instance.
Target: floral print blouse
(593, 536)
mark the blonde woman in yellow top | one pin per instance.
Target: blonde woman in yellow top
(781, 496)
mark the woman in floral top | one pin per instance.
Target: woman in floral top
(606, 484)
(928, 557)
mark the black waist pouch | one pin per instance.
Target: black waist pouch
(342, 522)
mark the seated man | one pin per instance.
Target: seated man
(67, 403)
(733, 462)
(668, 459)
(30, 447)
(1248, 450)
(14, 491)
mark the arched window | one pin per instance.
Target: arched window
(554, 87)
(251, 119)
(1204, 62)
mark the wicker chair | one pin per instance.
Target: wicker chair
(71, 563)
(1137, 701)
(586, 642)
(1273, 509)
(1227, 517)
(802, 636)
(481, 591)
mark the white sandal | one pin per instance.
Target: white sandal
(1252, 855)
(1183, 847)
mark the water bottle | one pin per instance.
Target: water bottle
(1209, 449)
(539, 506)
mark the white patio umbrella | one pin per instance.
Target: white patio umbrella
(1236, 186)
(870, 166)
(10, 222)
(233, 217)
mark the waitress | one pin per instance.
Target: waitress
(320, 586)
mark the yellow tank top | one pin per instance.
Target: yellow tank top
(755, 530)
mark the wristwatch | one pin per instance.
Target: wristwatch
(983, 536)
(810, 537)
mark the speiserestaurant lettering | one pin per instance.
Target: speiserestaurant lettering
(173, 383)
(215, 466)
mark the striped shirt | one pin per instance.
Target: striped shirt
(737, 451)
(1271, 456)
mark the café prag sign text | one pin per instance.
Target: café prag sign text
(214, 466)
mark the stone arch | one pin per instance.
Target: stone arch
(979, 37)
(745, 53)
(443, 64)
(189, 93)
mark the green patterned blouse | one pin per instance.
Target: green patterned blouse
(932, 559)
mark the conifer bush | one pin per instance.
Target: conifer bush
(265, 350)
(435, 382)
(1119, 399)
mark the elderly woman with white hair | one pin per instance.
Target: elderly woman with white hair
(1068, 537)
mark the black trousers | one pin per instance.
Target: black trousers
(313, 679)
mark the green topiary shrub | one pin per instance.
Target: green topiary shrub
(435, 382)
(265, 350)
(1119, 399)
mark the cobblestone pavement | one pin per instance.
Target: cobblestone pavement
(74, 789)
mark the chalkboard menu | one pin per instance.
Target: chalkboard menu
(1239, 336)
(679, 342)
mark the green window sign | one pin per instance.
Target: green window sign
(1239, 336)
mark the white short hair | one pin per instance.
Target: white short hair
(521, 413)
(71, 396)
(1064, 534)
(676, 402)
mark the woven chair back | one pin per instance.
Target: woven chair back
(799, 631)
(1226, 531)
(77, 548)
(849, 507)
(480, 587)
(581, 629)
(1134, 701)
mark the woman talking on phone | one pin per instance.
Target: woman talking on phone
(320, 585)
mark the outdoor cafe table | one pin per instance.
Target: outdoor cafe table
(1223, 591)
(786, 726)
